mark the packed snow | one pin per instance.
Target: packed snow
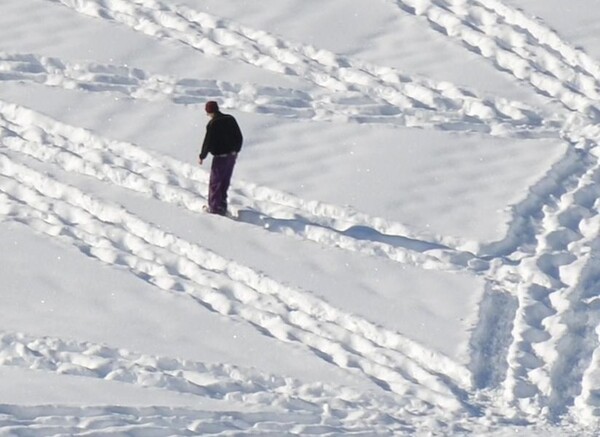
(414, 233)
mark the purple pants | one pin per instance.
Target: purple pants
(220, 178)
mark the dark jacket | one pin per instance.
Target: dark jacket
(223, 136)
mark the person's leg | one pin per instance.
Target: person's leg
(220, 179)
(227, 172)
(214, 186)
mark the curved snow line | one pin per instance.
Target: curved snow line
(352, 106)
(67, 420)
(505, 341)
(139, 84)
(218, 37)
(572, 56)
(128, 166)
(582, 137)
(214, 381)
(521, 231)
(114, 236)
(498, 37)
(548, 350)
(572, 244)
(541, 262)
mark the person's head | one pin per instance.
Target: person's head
(211, 108)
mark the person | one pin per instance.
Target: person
(223, 140)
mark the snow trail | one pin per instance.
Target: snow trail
(319, 104)
(111, 234)
(415, 98)
(547, 260)
(303, 402)
(518, 45)
(553, 276)
(163, 421)
(129, 166)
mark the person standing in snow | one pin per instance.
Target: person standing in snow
(223, 140)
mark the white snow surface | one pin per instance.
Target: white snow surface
(414, 235)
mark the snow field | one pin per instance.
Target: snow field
(454, 182)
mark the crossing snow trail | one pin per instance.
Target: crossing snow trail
(320, 104)
(81, 421)
(547, 293)
(518, 45)
(168, 180)
(531, 52)
(116, 237)
(418, 102)
(548, 335)
(553, 333)
(281, 397)
(538, 326)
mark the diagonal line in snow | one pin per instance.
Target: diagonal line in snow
(319, 104)
(62, 420)
(553, 329)
(336, 73)
(128, 166)
(519, 46)
(574, 57)
(214, 381)
(114, 236)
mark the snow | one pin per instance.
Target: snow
(414, 241)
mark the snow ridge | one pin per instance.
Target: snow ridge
(213, 381)
(457, 109)
(114, 236)
(416, 101)
(519, 46)
(172, 181)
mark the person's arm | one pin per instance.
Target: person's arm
(237, 134)
(205, 145)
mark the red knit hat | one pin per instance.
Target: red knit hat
(211, 107)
